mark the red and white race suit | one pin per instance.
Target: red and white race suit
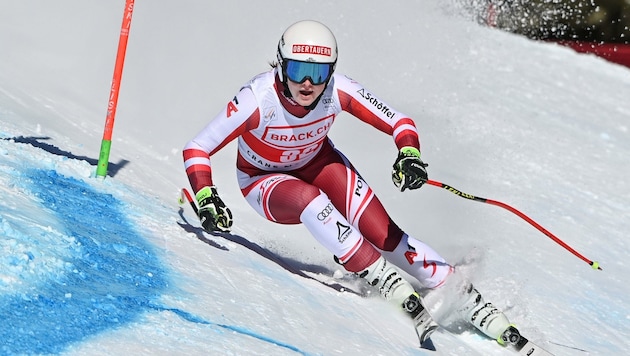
(290, 172)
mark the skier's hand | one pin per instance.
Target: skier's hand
(409, 171)
(213, 214)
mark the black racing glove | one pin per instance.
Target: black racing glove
(213, 214)
(409, 171)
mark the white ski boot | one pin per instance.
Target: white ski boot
(389, 281)
(485, 316)
(393, 287)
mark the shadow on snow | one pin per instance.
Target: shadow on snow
(112, 168)
(290, 265)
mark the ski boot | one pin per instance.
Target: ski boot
(483, 315)
(393, 287)
(388, 280)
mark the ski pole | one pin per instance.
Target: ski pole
(593, 264)
(186, 195)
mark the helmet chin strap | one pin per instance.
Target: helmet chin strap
(287, 92)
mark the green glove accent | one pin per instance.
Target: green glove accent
(410, 151)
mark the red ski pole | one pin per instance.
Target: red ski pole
(593, 264)
(186, 195)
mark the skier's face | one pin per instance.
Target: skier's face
(305, 93)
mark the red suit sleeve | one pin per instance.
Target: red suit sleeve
(360, 102)
(239, 115)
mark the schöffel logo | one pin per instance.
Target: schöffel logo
(309, 49)
(380, 106)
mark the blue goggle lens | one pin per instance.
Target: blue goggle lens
(317, 73)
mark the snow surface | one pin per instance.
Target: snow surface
(116, 266)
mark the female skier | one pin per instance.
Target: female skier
(290, 172)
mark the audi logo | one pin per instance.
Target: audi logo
(325, 213)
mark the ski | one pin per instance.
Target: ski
(424, 326)
(527, 348)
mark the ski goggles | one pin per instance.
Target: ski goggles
(299, 72)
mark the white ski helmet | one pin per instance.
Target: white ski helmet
(307, 41)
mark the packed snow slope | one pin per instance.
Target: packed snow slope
(115, 266)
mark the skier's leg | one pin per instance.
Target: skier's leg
(356, 254)
(430, 269)
(285, 199)
(419, 260)
(357, 202)
(332, 230)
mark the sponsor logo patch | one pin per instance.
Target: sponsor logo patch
(379, 105)
(343, 232)
(310, 49)
(298, 136)
(325, 213)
